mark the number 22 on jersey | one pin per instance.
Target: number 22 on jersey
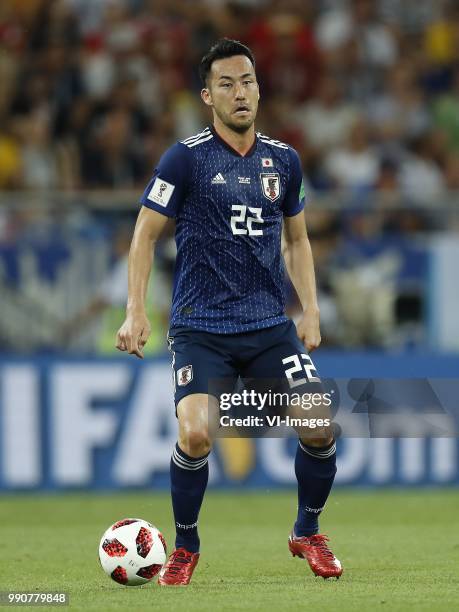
(246, 221)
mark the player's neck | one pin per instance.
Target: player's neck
(240, 142)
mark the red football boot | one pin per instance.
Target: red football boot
(320, 558)
(179, 568)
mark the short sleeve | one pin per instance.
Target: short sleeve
(295, 196)
(170, 181)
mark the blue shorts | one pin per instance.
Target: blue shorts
(204, 362)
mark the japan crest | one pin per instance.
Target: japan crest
(184, 375)
(270, 183)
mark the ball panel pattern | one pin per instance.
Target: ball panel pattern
(149, 571)
(123, 522)
(144, 542)
(114, 548)
(119, 575)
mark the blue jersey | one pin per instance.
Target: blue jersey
(228, 210)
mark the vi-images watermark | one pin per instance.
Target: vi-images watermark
(268, 401)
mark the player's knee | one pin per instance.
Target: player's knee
(318, 441)
(195, 442)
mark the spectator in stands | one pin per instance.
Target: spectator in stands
(77, 62)
(39, 156)
(327, 119)
(113, 157)
(399, 112)
(355, 166)
(421, 178)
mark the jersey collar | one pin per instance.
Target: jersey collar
(249, 153)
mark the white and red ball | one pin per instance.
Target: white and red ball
(132, 551)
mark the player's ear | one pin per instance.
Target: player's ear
(206, 96)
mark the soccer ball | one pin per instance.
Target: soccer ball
(132, 551)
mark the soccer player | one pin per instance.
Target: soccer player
(231, 191)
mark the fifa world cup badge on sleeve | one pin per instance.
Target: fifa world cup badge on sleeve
(161, 192)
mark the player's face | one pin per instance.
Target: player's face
(232, 92)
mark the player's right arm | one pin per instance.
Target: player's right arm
(161, 200)
(133, 334)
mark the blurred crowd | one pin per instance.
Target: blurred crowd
(93, 91)
(366, 90)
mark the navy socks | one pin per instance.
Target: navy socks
(315, 470)
(189, 478)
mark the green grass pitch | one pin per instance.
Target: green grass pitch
(399, 550)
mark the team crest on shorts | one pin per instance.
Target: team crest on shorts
(270, 183)
(184, 375)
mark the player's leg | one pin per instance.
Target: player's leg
(282, 359)
(189, 472)
(315, 469)
(196, 358)
(189, 465)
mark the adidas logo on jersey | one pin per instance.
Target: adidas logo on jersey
(218, 179)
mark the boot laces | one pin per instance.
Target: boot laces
(320, 542)
(178, 560)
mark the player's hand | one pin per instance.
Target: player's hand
(308, 329)
(133, 334)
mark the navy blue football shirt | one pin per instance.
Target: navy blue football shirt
(228, 210)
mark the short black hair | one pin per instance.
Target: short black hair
(225, 47)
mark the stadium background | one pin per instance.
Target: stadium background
(92, 92)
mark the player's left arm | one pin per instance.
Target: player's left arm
(298, 258)
(299, 262)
